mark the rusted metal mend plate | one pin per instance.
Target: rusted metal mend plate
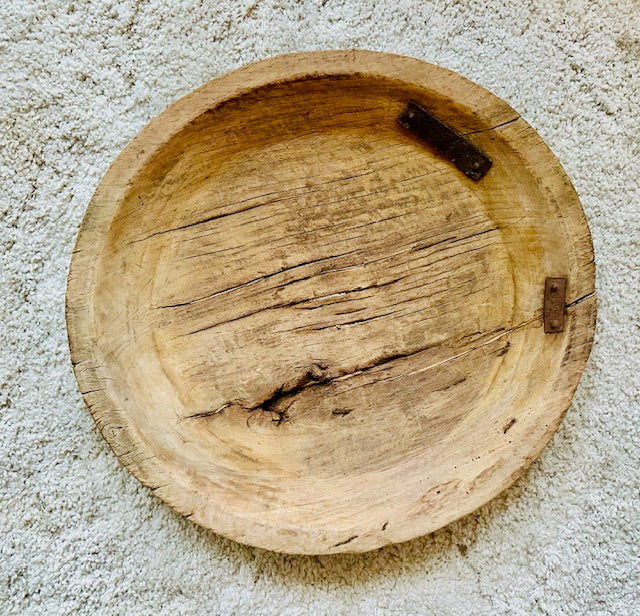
(466, 156)
(555, 291)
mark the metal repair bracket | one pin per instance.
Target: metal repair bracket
(555, 291)
(462, 153)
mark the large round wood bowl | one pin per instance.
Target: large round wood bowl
(306, 328)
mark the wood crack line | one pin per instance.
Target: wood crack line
(580, 299)
(255, 280)
(349, 540)
(268, 202)
(304, 301)
(486, 130)
(413, 248)
(317, 375)
(467, 351)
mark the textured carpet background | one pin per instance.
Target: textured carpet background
(79, 535)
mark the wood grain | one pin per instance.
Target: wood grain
(303, 328)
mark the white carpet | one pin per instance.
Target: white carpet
(79, 535)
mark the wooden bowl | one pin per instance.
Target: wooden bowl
(303, 327)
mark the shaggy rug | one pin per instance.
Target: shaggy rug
(79, 535)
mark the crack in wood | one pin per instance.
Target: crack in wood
(211, 413)
(277, 200)
(342, 294)
(315, 375)
(418, 247)
(509, 425)
(458, 381)
(322, 272)
(301, 303)
(486, 130)
(257, 279)
(503, 332)
(349, 540)
(347, 323)
(341, 412)
(318, 375)
(580, 299)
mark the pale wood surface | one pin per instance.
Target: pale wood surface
(305, 330)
